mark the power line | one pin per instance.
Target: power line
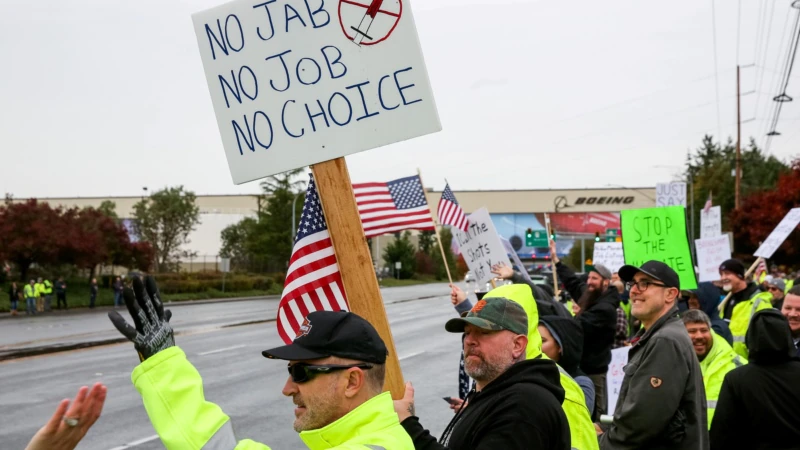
(782, 97)
(764, 53)
(769, 105)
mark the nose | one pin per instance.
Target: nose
(290, 388)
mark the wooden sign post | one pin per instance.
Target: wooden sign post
(355, 262)
(552, 261)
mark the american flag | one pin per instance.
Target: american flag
(393, 206)
(707, 207)
(450, 212)
(313, 282)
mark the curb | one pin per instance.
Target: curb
(8, 355)
(171, 304)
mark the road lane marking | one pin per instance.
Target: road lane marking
(220, 350)
(135, 443)
(410, 355)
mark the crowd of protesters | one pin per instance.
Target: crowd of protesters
(36, 296)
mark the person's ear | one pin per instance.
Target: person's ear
(356, 378)
(520, 345)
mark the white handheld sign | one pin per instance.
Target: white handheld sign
(711, 252)
(671, 194)
(609, 254)
(299, 82)
(615, 375)
(710, 222)
(779, 234)
(480, 246)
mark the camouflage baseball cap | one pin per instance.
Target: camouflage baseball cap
(494, 313)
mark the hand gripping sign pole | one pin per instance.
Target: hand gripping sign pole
(355, 261)
(747, 275)
(436, 229)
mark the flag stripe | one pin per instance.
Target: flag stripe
(312, 267)
(392, 206)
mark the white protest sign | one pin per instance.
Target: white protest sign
(609, 254)
(710, 222)
(510, 251)
(671, 194)
(481, 246)
(615, 375)
(711, 252)
(779, 234)
(298, 82)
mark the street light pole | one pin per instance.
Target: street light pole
(294, 223)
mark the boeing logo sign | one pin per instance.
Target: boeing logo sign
(604, 200)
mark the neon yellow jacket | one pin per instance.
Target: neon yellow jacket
(39, 289)
(30, 291)
(172, 392)
(581, 428)
(789, 285)
(47, 287)
(720, 360)
(740, 319)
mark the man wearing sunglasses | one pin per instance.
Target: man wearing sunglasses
(336, 368)
(662, 403)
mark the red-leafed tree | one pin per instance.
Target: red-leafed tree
(31, 232)
(761, 212)
(34, 232)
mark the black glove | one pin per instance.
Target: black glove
(153, 332)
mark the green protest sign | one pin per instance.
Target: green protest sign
(659, 234)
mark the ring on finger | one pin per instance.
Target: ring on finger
(71, 421)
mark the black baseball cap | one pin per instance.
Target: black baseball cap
(654, 269)
(333, 333)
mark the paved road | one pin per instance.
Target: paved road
(61, 328)
(236, 376)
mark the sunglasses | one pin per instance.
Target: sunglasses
(302, 372)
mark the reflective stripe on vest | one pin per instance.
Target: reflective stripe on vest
(375, 447)
(223, 439)
(712, 403)
(738, 339)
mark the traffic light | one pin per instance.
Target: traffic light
(529, 233)
(553, 235)
(597, 236)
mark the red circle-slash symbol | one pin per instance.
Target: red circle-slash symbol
(367, 22)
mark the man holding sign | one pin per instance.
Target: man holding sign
(336, 367)
(746, 300)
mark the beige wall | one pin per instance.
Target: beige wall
(517, 201)
(536, 201)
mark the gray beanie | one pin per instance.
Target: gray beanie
(601, 270)
(779, 283)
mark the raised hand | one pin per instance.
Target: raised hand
(68, 426)
(152, 332)
(503, 271)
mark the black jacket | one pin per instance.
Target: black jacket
(759, 404)
(599, 322)
(662, 401)
(521, 409)
(545, 303)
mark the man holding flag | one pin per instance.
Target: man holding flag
(336, 361)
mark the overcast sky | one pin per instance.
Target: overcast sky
(102, 97)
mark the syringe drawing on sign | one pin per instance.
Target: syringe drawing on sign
(369, 17)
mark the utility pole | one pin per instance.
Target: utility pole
(738, 139)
